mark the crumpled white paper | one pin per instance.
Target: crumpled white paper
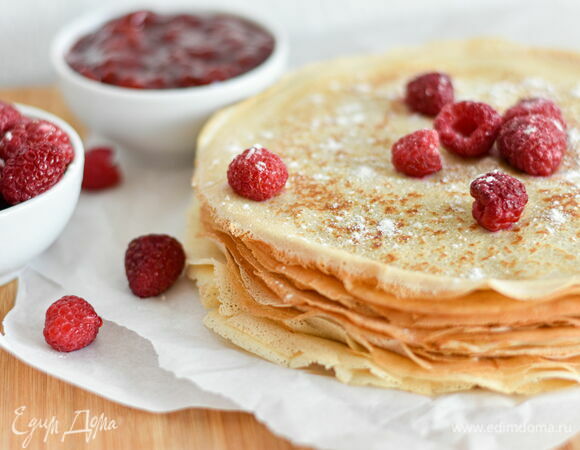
(155, 354)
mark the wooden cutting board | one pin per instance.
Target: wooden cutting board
(27, 394)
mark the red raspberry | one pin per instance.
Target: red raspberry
(417, 154)
(499, 200)
(153, 263)
(428, 93)
(8, 146)
(31, 173)
(536, 105)
(101, 170)
(534, 144)
(29, 133)
(3, 203)
(71, 324)
(9, 116)
(468, 128)
(257, 174)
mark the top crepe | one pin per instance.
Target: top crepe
(346, 212)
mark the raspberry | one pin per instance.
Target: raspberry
(71, 324)
(9, 147)
(101, 171)
(153, 263)
(468, 128)
(534, 144)
(9, 116)
(536, 105)
(29, 133)
(417, 154)
(499, 200)
(257, 174)
(31, 173)
(3, 203)
(428, 93)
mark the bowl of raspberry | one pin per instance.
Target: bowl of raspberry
(149, 80)
(41, 171)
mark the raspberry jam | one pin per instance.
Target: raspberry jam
(145, 50)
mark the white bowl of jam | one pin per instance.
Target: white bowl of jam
(149, 80)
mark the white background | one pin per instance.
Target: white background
(314, 26)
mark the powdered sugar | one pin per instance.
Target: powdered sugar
(538, 84)
(476, 273)
(364, 172)
(234, 149)
(557, 124)
(387, 227)
(502, 92)
(356, 226)
(557, 217)
(253, 149)
(349, 113)
(321, 177)
(261, 166)
(331, 144)
(572, 176)
(574, 137)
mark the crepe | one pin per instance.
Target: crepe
(298, 339)
(381, 278)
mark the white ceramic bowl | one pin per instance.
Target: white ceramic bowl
(162, 123)
(29, 228)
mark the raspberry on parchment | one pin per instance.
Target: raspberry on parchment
(71, 323)
(101, 171)
(153, 263)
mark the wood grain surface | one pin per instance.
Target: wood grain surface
(44, 397)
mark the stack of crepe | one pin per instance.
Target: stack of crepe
(382, 279)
